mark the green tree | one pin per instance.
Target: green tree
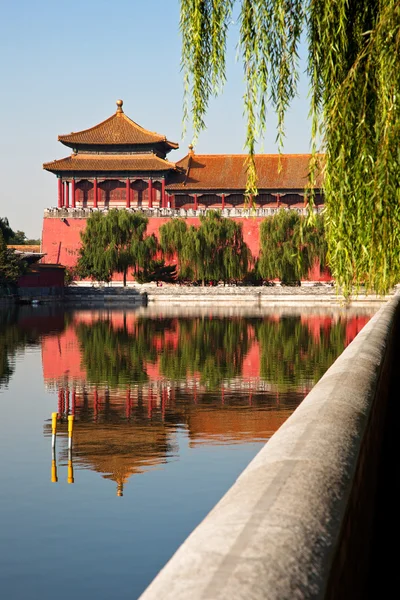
(353, 55)
(173, 236)
(213, 251)
(115, 242)
(11, 266)
(290, 246)
(5, 229)
(19, 239)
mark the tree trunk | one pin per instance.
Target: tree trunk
(125, 277)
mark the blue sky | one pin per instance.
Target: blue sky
(64, 64)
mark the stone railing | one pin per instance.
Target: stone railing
(84, 213)
(298, 522)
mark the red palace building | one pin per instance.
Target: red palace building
(119, 164)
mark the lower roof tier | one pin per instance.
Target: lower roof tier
(195, 172)
(98, 163)
(229, 171)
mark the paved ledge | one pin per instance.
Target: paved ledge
(291, 526)
(306, 295)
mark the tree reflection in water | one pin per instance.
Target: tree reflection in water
(12, 338)
(291, 356)
(132, 381)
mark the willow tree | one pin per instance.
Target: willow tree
(290, 246)
(353, 55)
(173, 236)
(115, 242)
(215, 250)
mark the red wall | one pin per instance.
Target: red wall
(61, 239)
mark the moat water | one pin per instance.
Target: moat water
(169, 407)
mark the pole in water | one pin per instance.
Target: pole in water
(70, 430)
(54, 477)
(54, 416)
(70, 467)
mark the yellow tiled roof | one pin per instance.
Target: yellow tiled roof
(228, 171)
(117, 162)
(116, 130)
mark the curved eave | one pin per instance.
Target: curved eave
(90, 164)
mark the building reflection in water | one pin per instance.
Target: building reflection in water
(132, 381)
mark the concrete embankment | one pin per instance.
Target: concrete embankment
(255, 296)
(176, 295)
(105, 296)
(298, 522)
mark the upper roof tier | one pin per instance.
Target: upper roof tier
(118, 131)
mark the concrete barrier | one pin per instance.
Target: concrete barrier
(298, 521)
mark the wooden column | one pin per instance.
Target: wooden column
(195, 202)
(95, 193)
(222, 201)
(162, 193)
(128, 193)
(73, 193)
(66, 199)
(150, 189)
(278, 198)
(60, 192)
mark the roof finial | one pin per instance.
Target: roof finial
(119, 106)
(191, 152)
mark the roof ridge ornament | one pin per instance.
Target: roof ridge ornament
(119, 106)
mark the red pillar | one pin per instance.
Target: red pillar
(150, 194)
(94, 193)
(195, 202)
(278, 197)
(162, 193)
(66, 198)
(128, 193)
(67, 401)
(222, 201)
(172, 200)
(60, 192)
(60, 402)
(73, 193)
